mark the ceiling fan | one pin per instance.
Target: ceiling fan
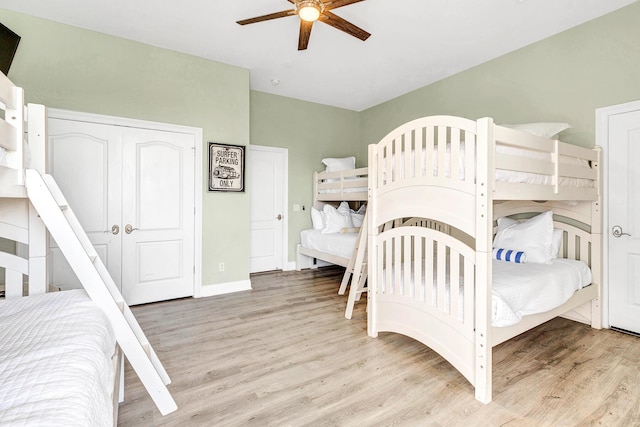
(310, 11)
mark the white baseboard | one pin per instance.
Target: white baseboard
(291, 265)
(224, 288)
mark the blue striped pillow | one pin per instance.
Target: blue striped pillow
(519, 257)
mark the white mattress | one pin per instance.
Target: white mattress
(340, 244)
(522, 289)
(55, 361)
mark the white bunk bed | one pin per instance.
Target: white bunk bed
(59, 361)
(466, 186)
(332, 188)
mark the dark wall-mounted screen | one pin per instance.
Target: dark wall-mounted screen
(8, 46)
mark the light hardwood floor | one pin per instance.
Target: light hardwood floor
(284, 355)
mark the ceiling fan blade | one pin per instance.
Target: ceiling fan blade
(305, 34)
(268, 17)
(328, 5)
(343, 25)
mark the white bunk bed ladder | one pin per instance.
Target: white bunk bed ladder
(356, 270)
(47, 199)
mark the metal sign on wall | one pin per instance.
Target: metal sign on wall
(226, 167)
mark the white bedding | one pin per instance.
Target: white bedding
(55, 361)
(340, 244)
(522, 289)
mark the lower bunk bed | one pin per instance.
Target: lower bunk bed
(59, 363)
(449, 288)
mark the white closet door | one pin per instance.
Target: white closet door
(624, 221)
(85, 160)
(157, 215)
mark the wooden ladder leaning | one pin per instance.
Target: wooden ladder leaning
(47, 199)
(356, 271)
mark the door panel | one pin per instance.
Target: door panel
(85, 161)
(158, 204)
(267, 208)
(624, 211)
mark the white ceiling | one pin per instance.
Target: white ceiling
(413, 43)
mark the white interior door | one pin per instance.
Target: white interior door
(624, 220)
(268, 171)
(85, 160)
(133, 192)
(158, 215)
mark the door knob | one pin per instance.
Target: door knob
(115, 229)
(279, 217)
(129, 228)
(617, 231)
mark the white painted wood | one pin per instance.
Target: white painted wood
(466, 202)
(158, 204)
(86, 161)
(624, 211)
(267, 168)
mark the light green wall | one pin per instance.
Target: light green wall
(70, 68)
(563, 78)
(310, 132)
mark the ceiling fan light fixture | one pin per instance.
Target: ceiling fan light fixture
(309, 10)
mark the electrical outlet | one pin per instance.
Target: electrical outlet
(221, 266)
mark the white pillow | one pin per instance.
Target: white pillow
(556, 238)
(339, 164)
(316, 219)
(533, 236)
(357, 219)
(336, 219)
(543, 129)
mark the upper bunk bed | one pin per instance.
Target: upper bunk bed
(467, 174)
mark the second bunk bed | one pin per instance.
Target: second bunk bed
(344, 186)
(476, 178)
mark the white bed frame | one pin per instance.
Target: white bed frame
(333, 187)
(31, 205)
(469, 206)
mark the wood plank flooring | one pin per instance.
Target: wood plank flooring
(284, 355)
